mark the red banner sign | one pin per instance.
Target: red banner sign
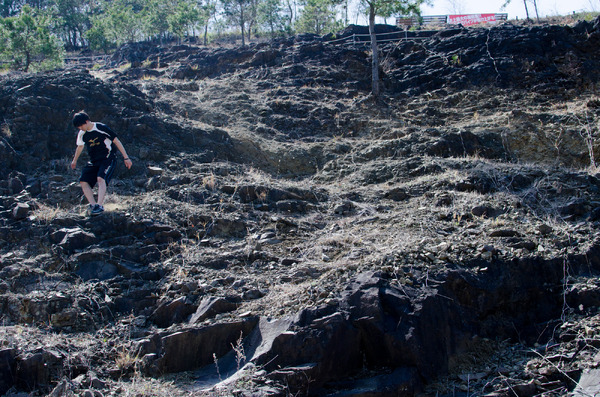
(471, 19)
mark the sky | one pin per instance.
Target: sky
(515, 9)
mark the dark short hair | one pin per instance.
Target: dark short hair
(80, 119)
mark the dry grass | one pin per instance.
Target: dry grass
(46, 213)
(209, 182)
(125, 361)
(124, 67)
(139, 386)
(6, 130)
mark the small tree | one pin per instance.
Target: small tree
(26, 41)
(318, 16)
(97, 37)
(72, 20)
(119, 22)
(126, 23)
(385, 8)
(291, 17)
(238, 13)
(156, 13)
(207, 11)
(270, 15)
(184, 16)
(252, 16)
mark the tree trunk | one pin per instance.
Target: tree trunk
(346, 19)
(375, 53)
(292, 8)
(526, 10)
(537, 15)
(27, 61)
(242, 24)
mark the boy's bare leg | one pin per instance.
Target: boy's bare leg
(101, 190)
(88, 192)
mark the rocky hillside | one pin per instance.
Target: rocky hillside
(283, 233)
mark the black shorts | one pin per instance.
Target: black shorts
(105, 169)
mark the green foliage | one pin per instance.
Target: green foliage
(26, 41)
(319, 17)
(271, 16)
(106, 24)
(155, 15)
(97, 37)
(72, 19)
(239, 13)
(455, 60)
(585, 16)
(123, 23)
(183, 17)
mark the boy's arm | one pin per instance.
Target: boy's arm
(119, 145)
(77, 154)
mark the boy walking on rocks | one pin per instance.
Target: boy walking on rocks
(101, 143)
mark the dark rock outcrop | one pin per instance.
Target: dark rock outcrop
(8, 365)
(37, 112)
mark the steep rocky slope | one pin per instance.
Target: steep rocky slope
(282, 233)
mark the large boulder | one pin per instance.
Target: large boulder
(173, 312)
(191, 348)
(211, 306)
(75, 239)
(36, 371)
(8, 366)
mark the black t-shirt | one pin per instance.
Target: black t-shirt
(98, 141)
